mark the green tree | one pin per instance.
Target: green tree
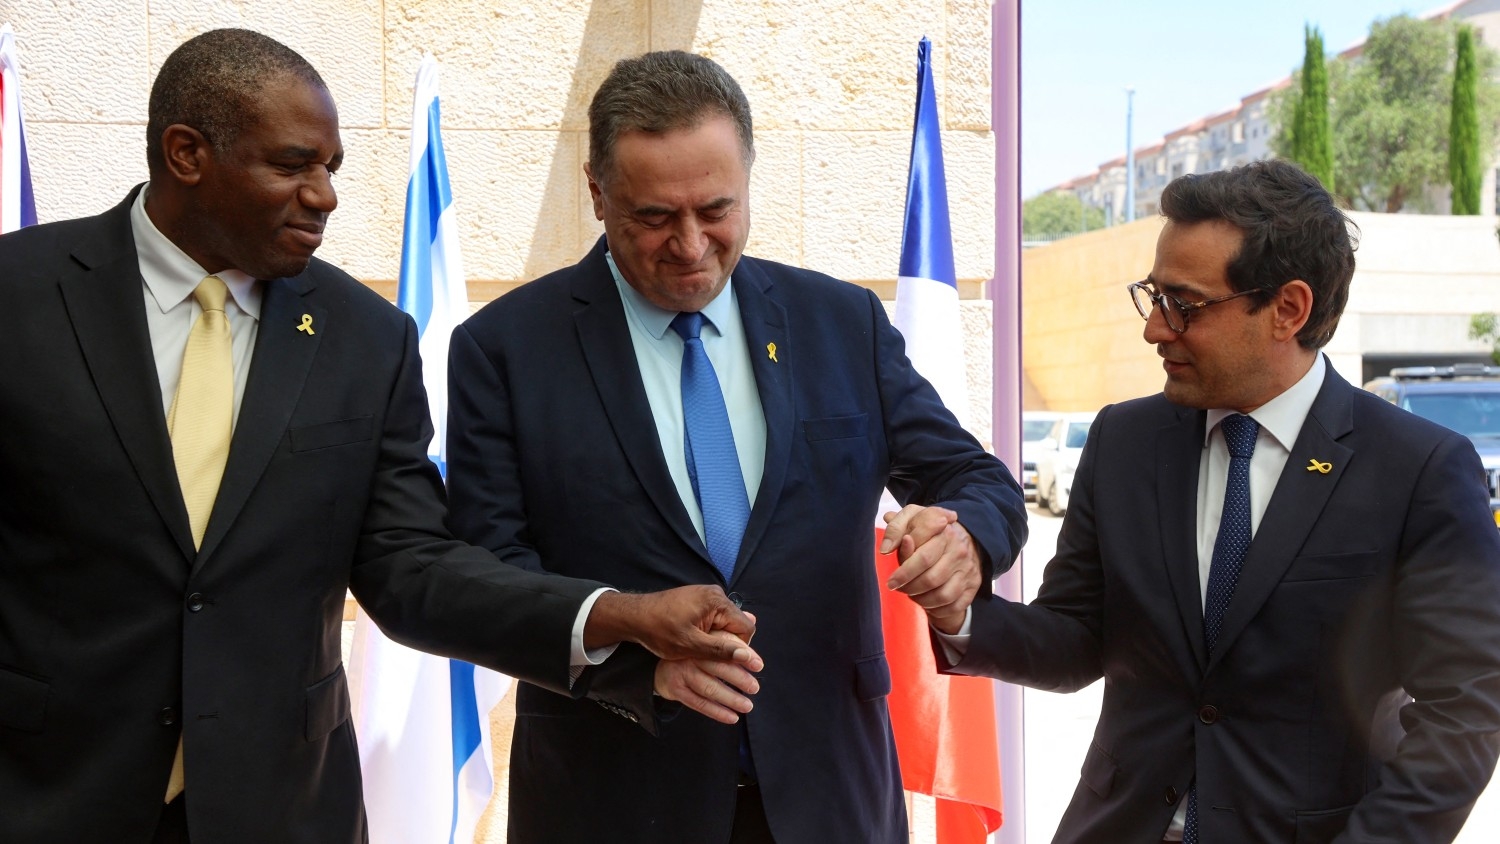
(1485, 327)
(1389, 110)
(1311, 137)
(1464, 162)
(1058, 213)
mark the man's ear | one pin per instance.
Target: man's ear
(185, 151)
(596, 193)
(1290, 309)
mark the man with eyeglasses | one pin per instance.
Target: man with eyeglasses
(1290, 586)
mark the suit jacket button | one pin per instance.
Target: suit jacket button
(1171, 796)
(195, 602)
(737, 599)
(1208, 714)
(167, 716)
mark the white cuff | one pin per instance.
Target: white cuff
(955, 645)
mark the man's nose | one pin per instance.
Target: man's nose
(1157, 331)
(318, 193)
(689, 242)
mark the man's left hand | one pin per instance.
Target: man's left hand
(940, 567)
(674, 624)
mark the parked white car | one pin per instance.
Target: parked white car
(1036, 433)
(1055, 468)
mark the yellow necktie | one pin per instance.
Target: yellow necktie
(200, 422)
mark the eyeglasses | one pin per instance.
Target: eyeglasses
(1145, 297)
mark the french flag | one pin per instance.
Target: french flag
(944, 726)
(423, 721)
(17, 206)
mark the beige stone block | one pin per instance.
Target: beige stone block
(515, 194)
(510, 65)
(969, 162)
(811, 63)
(854, 196)
(853, 192)
(364, 232)
(78, 170)
(963, 61)
(343, 39)
(104, 83)
(978, 325)
(776, 198)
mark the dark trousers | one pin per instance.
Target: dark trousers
(172, 828)
(750, 826)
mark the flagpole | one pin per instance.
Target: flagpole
(1005, 296)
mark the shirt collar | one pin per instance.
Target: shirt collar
(657, 320)
(172, 276)
(1281, 417)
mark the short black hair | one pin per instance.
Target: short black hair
(211, 83)
(659, 92)
(1292, 230)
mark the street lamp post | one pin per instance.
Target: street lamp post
(1129, 156)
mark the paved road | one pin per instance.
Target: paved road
(1058, 728)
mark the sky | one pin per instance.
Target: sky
(1185, 59)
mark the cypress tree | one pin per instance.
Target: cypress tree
(1463, 129)
(1312, 138)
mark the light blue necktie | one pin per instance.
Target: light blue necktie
(1230, 546)
(712, 463)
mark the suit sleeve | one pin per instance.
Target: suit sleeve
(434, 593)
(1055, 642)
(489, 509)
(1447, 612)
(935, 462)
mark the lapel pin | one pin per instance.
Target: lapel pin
(1320, 468)
(771, 352)
(306, 324)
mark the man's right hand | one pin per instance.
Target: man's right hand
(712, 687)
(675, 624)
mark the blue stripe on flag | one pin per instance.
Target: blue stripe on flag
(927, 237)
(28, 202)
(427, 196)
(466, 732)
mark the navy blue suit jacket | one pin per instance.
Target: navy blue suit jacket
(555, 463)
(1374, 581)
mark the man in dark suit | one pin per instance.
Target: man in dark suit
(580, 443)
(158, 635)
(1290, 587)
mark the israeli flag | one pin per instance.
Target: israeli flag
(927, 289)
(423, 721)
(17, 206)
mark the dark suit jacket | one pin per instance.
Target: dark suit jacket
(1377, 580)
(115, 635)
(555, 463)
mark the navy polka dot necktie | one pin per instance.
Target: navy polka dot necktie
(1230, 546)
(708, 443)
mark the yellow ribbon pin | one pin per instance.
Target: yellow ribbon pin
(771, 351)
(1320, 468)
(306, 324)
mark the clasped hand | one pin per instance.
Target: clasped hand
(940, 567)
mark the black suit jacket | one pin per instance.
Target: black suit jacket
(115, 635)
(555, 462)
(1377, 580)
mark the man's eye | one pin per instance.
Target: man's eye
(652, 221)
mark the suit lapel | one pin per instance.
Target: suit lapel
(764, 321)
(604, 338)
(1295, 506)
(283, 357)
(1179, 451)
(104, 303)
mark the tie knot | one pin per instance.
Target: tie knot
(688, 324)
(211, 293)
(1240, 432)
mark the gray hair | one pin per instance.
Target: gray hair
(211, 83)
(659, 92)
